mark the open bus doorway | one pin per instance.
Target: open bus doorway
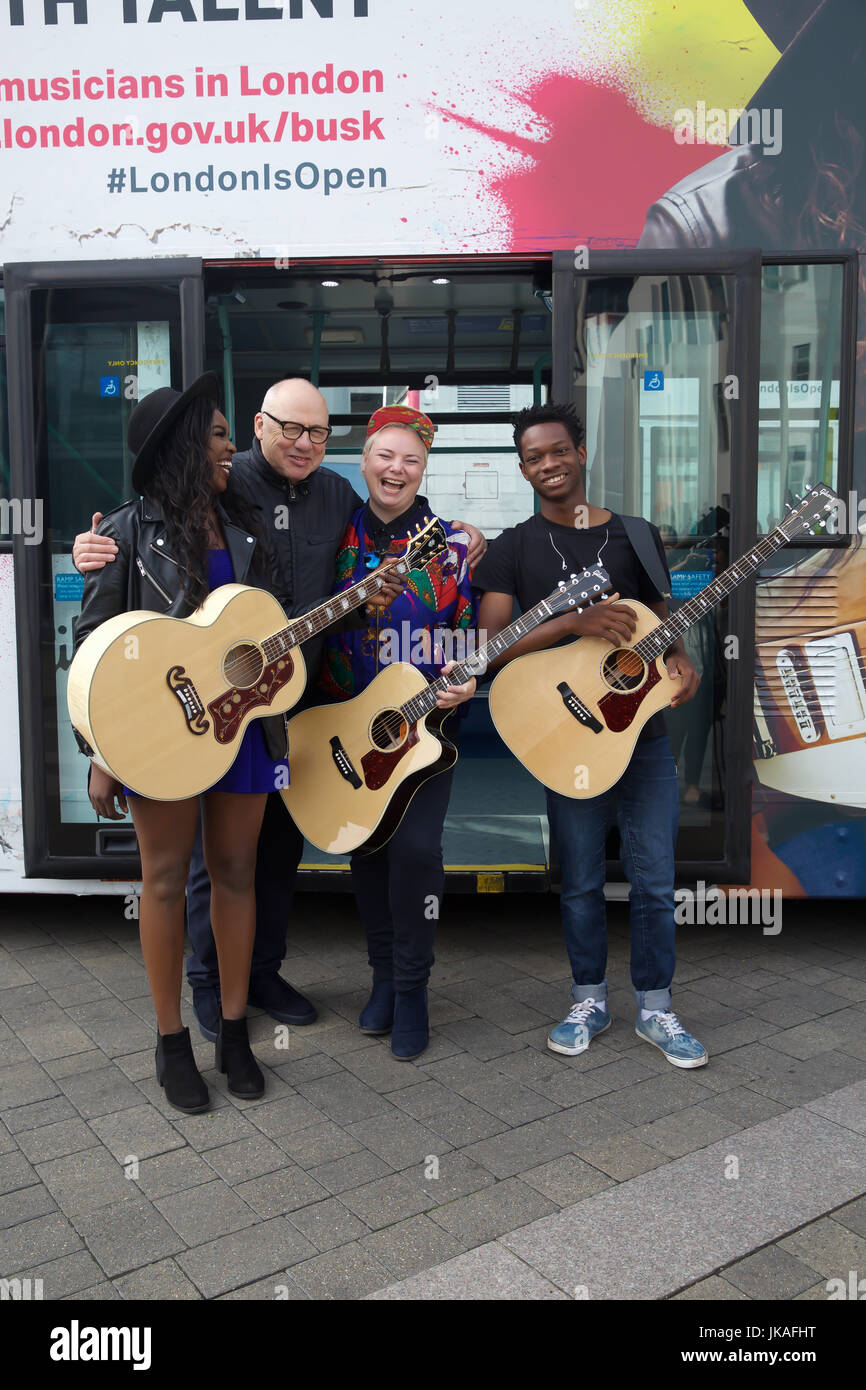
(469, 344)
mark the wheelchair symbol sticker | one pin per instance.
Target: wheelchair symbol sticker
(109, 386)
(653, 381)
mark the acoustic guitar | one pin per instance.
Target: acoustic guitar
(356, 765)
(572, 714)
(164, 702)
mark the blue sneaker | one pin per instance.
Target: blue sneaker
(665, 1032)
(576, 1032)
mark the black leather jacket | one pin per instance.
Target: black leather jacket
(304, 524)
(717, 205)
(144, 575)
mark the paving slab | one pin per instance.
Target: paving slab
(164, 1280)
(770, 1273)
(237, 1259)
(387, 1200)
(493, 1211)
(328, 1224)
(128, 1235)
(488, 1273)
(281, 1192)
(694, 1220)
(346, 1273)
(203, 1213)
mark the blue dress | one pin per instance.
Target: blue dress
(253, 770)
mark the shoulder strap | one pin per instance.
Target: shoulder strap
(640, 536)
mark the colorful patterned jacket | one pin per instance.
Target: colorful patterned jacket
(436, 608)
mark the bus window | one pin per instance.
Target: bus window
(801, 353)
(99, 350)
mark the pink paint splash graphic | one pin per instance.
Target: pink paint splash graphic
(592, 181)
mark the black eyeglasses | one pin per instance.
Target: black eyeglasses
(291, 430)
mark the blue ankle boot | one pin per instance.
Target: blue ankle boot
(411, 1031)
(377, 1015)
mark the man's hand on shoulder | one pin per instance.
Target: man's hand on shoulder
(90, 551)
(477, 541)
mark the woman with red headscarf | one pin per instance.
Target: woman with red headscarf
(399, 887)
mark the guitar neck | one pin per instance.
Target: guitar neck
(425, 700)
(318, 619)
(656, 643)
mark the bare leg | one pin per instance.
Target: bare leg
(165, 831)
(231, 826)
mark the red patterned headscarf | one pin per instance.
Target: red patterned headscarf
(402, 415)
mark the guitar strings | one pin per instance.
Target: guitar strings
(251, 666)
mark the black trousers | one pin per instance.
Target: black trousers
(399, 889)
(281, 845)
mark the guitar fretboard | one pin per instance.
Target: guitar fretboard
(318, 619)
(656, 643)
(571, 596)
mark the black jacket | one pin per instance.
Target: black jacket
(304, 524)
(144, 575)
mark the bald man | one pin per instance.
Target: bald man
(305, 509)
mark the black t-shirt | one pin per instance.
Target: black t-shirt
(530, 559)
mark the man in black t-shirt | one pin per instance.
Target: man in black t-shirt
(525, 563)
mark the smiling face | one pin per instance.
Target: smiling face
(220, 451)
(552, 463)
(393, 467)
(299, 401)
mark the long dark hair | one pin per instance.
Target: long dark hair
(181, 487)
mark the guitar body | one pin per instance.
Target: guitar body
(164, 702)
(572, 714)
(354, 767)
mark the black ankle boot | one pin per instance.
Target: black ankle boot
(377, 1015)
(177, 1072)
(233, 1056)
(411, 1032)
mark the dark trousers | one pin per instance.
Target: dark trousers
(281, 845)
(399, 889)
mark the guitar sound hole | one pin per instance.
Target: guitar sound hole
(243, 664)
(623, 669)
(388, 730)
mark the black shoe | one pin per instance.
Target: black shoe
(234, 1057)
(206, 1007)
(178, 1074)
(277, 997)
(411, 1032)
(377, 1015)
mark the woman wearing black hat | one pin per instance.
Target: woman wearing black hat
(176, 543)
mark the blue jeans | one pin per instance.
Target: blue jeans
(645, 805)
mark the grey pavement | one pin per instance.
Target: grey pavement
(488, 1168)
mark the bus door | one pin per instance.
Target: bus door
(83, 342)
(659, 351)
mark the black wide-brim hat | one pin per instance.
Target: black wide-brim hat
(154, 416)
(820, 65)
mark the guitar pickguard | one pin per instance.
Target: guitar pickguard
(378, 766)
(619, 708)
(229, 709)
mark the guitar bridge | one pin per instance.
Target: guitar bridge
(180, 685)
(577, 709)
(343, 763)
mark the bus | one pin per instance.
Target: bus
(466, 209)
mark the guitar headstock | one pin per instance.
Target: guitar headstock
(579, 590)
(425, 543)
(810, 511)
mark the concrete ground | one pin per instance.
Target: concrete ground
(487, 1168)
